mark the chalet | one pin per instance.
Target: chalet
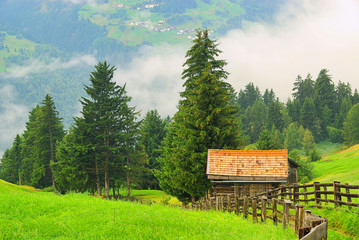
(249, 172)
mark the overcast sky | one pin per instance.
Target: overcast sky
(306, 37)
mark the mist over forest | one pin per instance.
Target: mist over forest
(51, 46)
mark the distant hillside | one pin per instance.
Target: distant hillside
(341, 166)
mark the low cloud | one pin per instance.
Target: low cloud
(37, 66)
(307, 36)
(12, 117)
(153, 78)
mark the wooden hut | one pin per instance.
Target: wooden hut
(249, 172)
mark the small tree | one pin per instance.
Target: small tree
(351, 126)
(265, 141)
(308, 142)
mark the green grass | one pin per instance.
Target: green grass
(342, 224)
(27, 214)
(342, 166)
(152, 195)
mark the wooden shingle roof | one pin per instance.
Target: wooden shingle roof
(247, 164)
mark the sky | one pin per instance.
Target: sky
(305, 37)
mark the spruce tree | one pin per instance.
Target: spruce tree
(324, 100)
(49, 130)
(153, 131)
(108, 125)
(205, 120)
(28, 153)
(265, 140)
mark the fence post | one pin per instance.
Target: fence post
(316, 194)
(274, 204)
(264, 209)
(245, 206)
(286, 212)
(236, 203)
(337, 196)
(349, 199)
(282, 191)
(296, 192)
(210, 203)
(254, 209)
(229, 203)
(217, 203)
(222, 204)
(299, 217)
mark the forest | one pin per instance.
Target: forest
(108, 147)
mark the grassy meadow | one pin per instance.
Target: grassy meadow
(341, 166)
(29, 214)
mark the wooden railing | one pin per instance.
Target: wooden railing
(317, 193)
(261, 209)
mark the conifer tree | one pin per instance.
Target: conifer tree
(49, 130)
(205, 119)
(265, 140)
(324, 100)
(308, 117)
(108, 125)
(153, 131)
(28, 153)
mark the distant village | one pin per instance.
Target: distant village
(156, 27)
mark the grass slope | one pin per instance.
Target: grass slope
(341, 166)
(27, 214)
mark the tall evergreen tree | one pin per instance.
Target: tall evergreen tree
(275, 116)
(308, 117)
(248, 96)
(107, 125)
(254, 119)
(205, 119)
(28, 153)
(324, 100)
(153, 131)
(268, 97)
(265, 141)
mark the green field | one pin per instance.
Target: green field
(341, 166)
(28, 214)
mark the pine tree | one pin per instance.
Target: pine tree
(108, 125)
(265, 141)
(275, 116)
(205, 119)
(294, 136)
(308, 141)
(254, 119)
(49, 130)
(324, 100)
(69, 171)
(28, 153)
(153, 131)
(248, 96)
(308, 117)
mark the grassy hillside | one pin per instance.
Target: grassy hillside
(341, 166)
(27, 214)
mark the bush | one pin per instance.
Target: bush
(335, 135)
(314, 155)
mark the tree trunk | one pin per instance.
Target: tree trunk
(107, 178)
(113, 190)
(52, 154)
(128, 177)
(193, 201)
(19, 179)
(97, 179)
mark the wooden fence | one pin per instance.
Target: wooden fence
(283, 211)
(317, 193)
